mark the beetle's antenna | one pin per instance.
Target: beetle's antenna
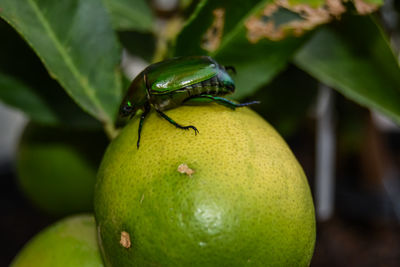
(146, 82)
(231, 68)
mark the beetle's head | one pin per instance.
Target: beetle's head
(127, 109)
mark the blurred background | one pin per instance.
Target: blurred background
(350, 152)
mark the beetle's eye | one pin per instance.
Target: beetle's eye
(126, 109)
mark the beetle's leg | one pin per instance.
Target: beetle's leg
(225, 102)
(162, 114)
(142, 117)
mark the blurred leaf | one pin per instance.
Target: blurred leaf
(354, 57)
(26, 85)
(256, 65)
(286, 100)
(188, 6)
(313, 3)
(17, 94)
(131, 15)
(257, 61)
(75, 41)
(48, 107)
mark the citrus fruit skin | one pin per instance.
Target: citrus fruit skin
(69, 242)
(247, 202)
(56, 168)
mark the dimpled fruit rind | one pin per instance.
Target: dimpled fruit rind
(234, 195)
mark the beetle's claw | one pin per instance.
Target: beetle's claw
(195, 130)
(192, 127)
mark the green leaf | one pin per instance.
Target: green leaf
(257, 61)
(313, 3)
(260, 66)
(47, 106)
(75, 41)
(286, 100)
(354, 57)
(26, 85)
(377, 2)
(131, 15)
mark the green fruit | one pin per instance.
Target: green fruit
(234, 195)
(57, 167)
(70, 242)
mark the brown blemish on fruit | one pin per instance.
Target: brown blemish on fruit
(125, 240)
(365, 8)
(262, 25)
(213, 36)
(184, 168)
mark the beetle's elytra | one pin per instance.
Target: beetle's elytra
(168, 84)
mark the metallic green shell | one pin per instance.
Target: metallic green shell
(176, 73)
(160, 84)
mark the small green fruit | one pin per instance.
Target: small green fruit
(70, 242)
(57, 167)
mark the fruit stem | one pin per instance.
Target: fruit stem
(110, 130)
(165, 33)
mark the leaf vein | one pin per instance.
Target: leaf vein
(89, 91)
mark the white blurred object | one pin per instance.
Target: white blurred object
(132, 65)
(325, 154)
(390, 20)
(166, 5)
(391, 183)
(384, 123)
(12, 123)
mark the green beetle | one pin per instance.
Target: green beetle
(168, 84)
